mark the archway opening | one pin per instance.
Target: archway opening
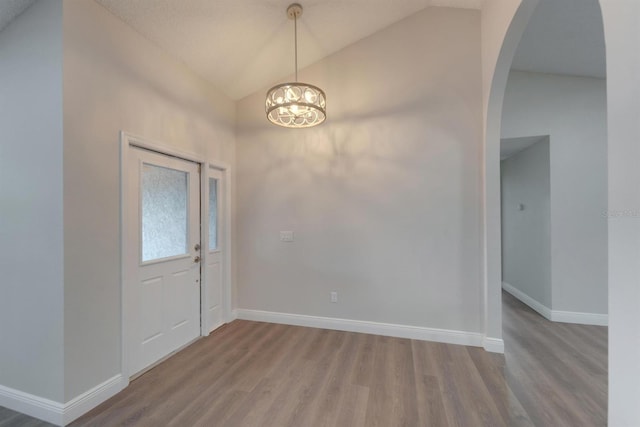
(549, 234)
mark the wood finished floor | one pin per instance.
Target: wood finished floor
(259, 374)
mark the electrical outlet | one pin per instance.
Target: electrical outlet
(334, 296)
(286, 236)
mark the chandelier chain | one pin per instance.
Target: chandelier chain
(295, 38)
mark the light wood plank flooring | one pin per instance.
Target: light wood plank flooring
(258, 374)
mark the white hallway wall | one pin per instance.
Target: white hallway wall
(621, 23)
(384, 198)
(31, 210)
(116, 80)
(572, 110)
(526, 233)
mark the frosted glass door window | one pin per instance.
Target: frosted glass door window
(213, 214)
(164, 212)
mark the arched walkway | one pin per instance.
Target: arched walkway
(621, 22)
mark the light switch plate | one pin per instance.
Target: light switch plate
(286, 236)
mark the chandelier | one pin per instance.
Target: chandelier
(295, 105)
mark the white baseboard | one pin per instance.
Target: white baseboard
(88, 400)
(557, 315)
(35, 406)
(58, 413)
(533, 303)
(493, 345)
(581, 318)
(386, 329)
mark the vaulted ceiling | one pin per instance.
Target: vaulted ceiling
(241, 46)
(244, 45)
(564, 37)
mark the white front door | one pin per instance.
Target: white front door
(163, 305)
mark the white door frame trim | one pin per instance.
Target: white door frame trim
(127, 141)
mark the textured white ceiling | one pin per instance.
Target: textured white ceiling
(564, 37)
(9, 9)
(244, 45)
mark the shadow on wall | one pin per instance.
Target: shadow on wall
(374, 146)
(390, 180)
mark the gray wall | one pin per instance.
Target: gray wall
(526, 238)
(31, 211)
(621, 21)
(572, 110)
(384, 198)
(116, 80)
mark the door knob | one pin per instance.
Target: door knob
(196, 259)
(197, 247)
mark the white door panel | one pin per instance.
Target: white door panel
(164, 308)
(214, 288)
(214, 266)
(214, 297)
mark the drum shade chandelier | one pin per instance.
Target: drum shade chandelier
(296, 104)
